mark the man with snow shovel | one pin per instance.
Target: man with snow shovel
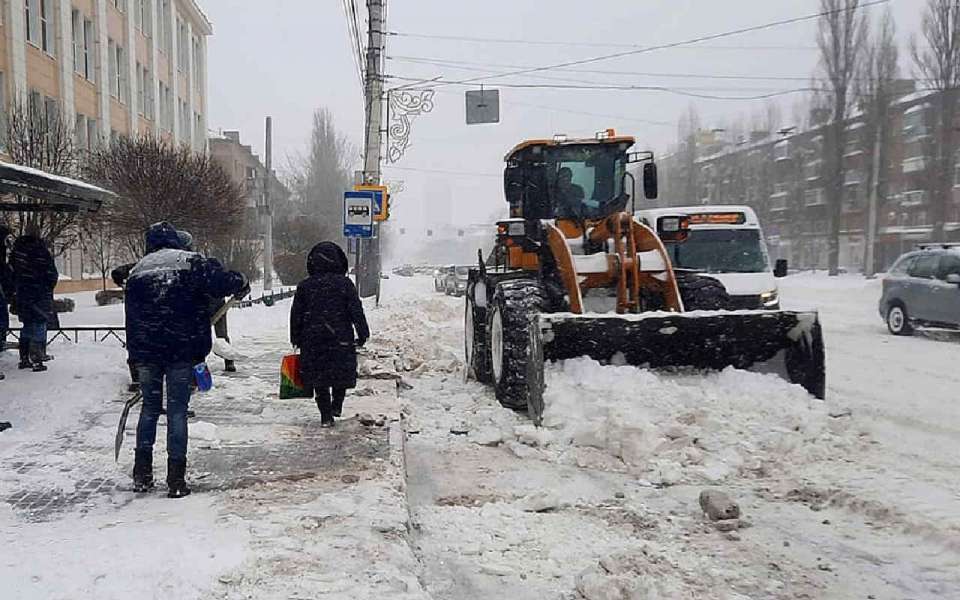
(168, 328)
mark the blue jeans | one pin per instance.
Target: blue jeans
(34, 331)
(177, 378)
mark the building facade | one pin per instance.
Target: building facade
(246, 169)
(113, 67)
(781, 175)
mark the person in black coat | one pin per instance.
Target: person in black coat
(6, 289)
(325, 314)
(168, 334)
(34, 277)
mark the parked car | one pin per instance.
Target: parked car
(455, 283)
(922, 289)
(440, 277)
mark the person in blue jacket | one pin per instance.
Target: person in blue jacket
(168, 332)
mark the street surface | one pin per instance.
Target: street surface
(454, 497)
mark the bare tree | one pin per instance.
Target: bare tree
(156, 181)
(937, 60)
(841, 32)
(876, 89)
(317, 180)
(39, 136)
(98, 241)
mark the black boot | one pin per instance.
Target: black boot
(37, 354)
(143, 471)
(24, 347)
(176, 482)
(229, 366)
(338, 397)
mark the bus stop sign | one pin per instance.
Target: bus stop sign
(358, 214)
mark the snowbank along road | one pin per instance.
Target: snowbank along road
(457, 497)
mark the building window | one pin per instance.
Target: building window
(116, 72)
(3, 112)
(183, 53)
(781, 151)
(120, 5)
(80, 131)
(141, 92)
(34, 101)
(50, 110)
(143, 16)
(93, 136)
(814, 197)
(47, 34)
(197, 64)
(76, 32)
(914, 123)
(32, 18)
(88, 42)
(163, 26)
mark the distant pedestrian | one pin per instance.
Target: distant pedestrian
(6, 290)
(168, 331)
(34, 276)
(325, 314)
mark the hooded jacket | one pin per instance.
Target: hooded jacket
(34, 277)
(167, 300)
(326, 314)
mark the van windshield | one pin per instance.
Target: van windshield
(721, 251)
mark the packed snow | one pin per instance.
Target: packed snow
(852, 497)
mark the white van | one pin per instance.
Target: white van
(727, 243)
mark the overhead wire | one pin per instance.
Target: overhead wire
(569, 43)
(349, 11)
(646, 49)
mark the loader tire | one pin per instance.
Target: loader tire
(700, 292)
(514, 304)
(476, 350)
(806, 362)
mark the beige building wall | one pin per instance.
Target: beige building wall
(111, 66)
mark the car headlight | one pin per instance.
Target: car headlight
(771, 298)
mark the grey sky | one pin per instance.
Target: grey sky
(288, 57)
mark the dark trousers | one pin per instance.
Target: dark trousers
(328, 407)
(177, 378)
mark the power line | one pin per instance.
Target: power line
(349, 11)
(697, 40)
(444, 172)
(459, 64)
(487, 40)
(688, 92)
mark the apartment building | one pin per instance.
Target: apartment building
(246, 169)
(115, 67)
(781, 175)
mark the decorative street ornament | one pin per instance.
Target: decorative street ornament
(402, 107)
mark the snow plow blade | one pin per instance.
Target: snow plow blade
(788, 343)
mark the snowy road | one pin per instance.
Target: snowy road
(855, 497)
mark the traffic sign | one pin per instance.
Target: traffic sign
(358, 214)
(381, 198)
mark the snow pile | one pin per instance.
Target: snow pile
(682, 428)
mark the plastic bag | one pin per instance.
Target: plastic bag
(290, 384)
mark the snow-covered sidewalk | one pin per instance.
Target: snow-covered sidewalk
(281, 508)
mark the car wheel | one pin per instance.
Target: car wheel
(897, 320)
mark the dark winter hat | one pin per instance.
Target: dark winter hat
(161, 236)
(327, 257)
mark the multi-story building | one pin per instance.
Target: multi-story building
(246, 169)
(114, 67)
(782, 176)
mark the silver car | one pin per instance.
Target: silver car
(922, 289)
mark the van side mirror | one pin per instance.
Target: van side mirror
(953, 278)
(780, 268)
(650, 187)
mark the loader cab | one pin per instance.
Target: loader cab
(579, 180)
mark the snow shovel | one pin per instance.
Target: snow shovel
(136, 398)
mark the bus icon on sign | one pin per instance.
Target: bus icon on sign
(358, 214)
(359, 211)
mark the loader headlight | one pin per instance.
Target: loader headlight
(770, 299)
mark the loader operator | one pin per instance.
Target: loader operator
(570, 196)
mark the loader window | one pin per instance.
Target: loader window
(721, 251)
(587, 182)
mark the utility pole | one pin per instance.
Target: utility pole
(268, 211)
(373, 99)
(868, 267)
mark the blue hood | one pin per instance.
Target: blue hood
(162, 236)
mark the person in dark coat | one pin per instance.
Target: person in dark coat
(168, 332)
(325, 314)
(6, 285)
(34, 277)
